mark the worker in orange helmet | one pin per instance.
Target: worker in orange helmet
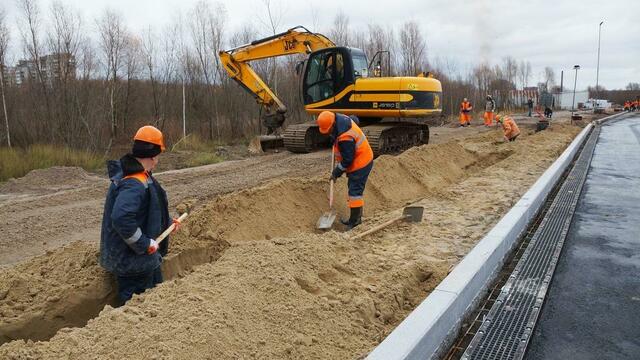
(509, 127)
(465, 113)
(353, 155)
(489, 108)
(135, 213)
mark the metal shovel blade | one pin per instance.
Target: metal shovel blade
(326, 220)
(413, 213)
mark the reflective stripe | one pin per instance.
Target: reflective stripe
(135, 237)
(341, 167)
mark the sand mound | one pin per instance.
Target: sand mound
(281, 291)
(55, 178)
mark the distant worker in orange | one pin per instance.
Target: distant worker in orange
(465, 113)
(489, 108)
(509, 127)
(627, 106)
(353, 155)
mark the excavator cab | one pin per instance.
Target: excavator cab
(328, 72)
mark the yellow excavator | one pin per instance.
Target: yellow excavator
(390, 109)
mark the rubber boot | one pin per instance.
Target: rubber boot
(355, 218)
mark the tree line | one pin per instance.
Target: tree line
(122, 78)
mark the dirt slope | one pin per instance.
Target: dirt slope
(277, 289)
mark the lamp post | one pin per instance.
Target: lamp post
(575, 81)
(595, 106)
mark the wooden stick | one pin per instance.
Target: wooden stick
(379, 227)
(333, 161)
(170, 229)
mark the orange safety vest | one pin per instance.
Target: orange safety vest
(363, 155)
(143, 177)
(510, 127)
(465, 106)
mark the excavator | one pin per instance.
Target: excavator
(391, 110)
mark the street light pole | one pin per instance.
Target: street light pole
(598, 68)
(575, 81)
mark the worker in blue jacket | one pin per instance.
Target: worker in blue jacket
(135, 212)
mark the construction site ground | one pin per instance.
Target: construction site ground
(248, 276)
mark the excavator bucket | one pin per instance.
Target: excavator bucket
(262, 143)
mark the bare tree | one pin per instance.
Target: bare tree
(549, 77)
(132, 54)
(112, 37)
(413, 49)
(633, 86)
(4, 44)
(206, 34)
(150, 60)
(510, 69)
(339, 33)
(32, 43)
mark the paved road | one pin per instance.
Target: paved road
(593, 306)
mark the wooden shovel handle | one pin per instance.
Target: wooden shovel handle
(379, 227)
(170, 229)
(333, 163)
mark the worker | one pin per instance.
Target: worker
(489, 108)
(509, 127)
(135, 213)
(353, 155)
(530, 106)
(627, 106)
(465, 112)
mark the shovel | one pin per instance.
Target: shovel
(409, 214)
(170, 229)
(326, 220)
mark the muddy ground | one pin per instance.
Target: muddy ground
(266, 285)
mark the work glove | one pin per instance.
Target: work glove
(506, 139)
(177, 224)
(153, 247)
(336, 173)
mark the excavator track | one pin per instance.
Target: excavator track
(304, 138)
(391, 138)
(385, 138)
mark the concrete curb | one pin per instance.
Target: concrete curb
(434, 324)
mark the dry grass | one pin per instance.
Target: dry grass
(15, 163)
(193, 142)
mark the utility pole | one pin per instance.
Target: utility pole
(575, 81)
(598, 68)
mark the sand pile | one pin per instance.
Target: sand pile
(55, 178)
(305, 295)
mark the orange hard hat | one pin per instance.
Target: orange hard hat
(150, 134)
(325, 121)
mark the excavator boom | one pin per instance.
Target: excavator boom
(297, 40)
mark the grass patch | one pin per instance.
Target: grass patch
(200, 159)
(16, 163)
(193, 142)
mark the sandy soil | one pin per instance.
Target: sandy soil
(267, 285)
(53, 207)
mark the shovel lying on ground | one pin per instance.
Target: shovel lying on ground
(170, 229)
(409, 214)
(326, 220)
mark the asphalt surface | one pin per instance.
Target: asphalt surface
(592, 309)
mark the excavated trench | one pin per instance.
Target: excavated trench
(66, 287)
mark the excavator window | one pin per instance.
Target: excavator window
(360, 66)
(319, 82)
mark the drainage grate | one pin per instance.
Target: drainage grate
(505, 331)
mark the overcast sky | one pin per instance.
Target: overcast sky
(555, 33)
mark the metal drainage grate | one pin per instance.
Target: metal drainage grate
(505, 331)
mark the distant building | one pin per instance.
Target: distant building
(8, 75)
(564, 100)
(53, 67)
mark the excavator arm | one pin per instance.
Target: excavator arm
(297, 40)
